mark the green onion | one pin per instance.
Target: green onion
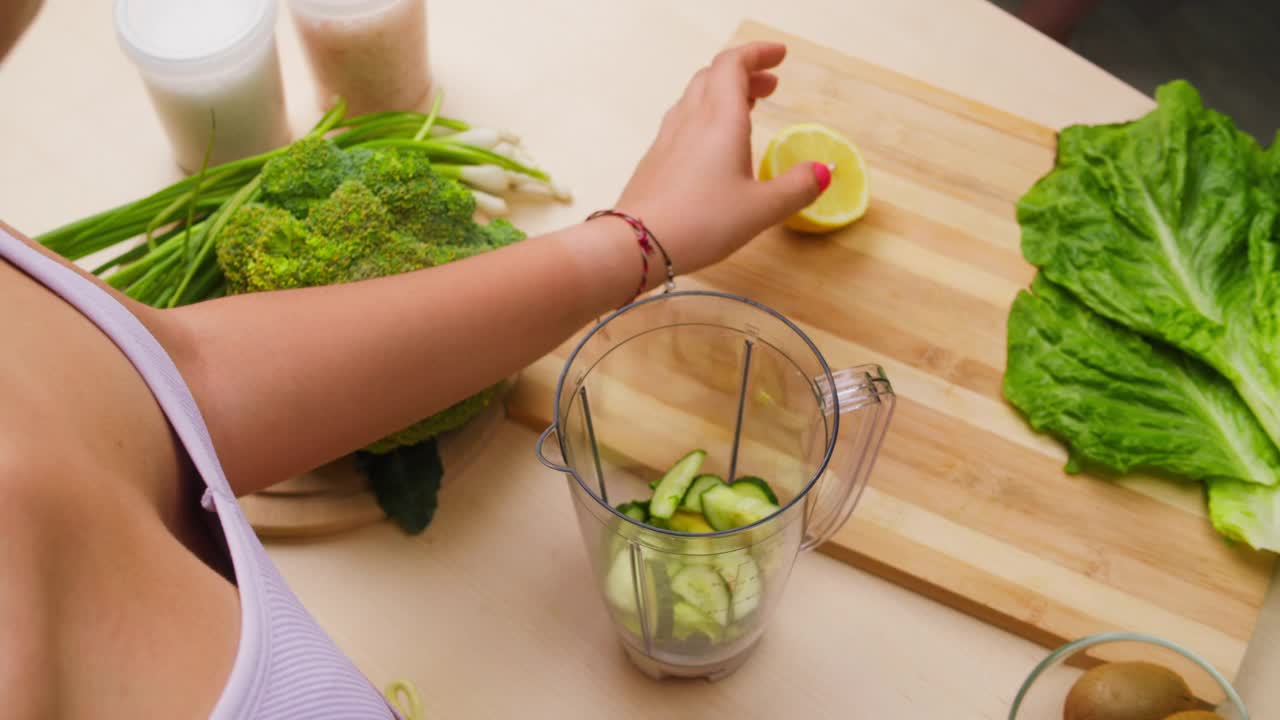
(176, 263)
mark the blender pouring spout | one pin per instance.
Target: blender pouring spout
(541, 450)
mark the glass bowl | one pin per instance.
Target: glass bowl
(1044, 692)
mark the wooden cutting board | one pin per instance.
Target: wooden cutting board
(966, 505)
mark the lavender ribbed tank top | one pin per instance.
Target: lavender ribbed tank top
(286, 666)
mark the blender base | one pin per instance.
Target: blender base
(711, 672)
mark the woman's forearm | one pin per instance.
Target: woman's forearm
(290, 380)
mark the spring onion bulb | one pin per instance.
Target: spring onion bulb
(490, 205)
(561, 192)
(515, 153)
(523, 157)
(478, 137)
(526, 185)
(505, 149)
(489, 178)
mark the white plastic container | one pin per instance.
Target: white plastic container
(373, 53)
(207, 62)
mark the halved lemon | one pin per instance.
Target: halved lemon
(845, 199)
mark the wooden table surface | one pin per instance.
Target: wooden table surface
(490, 612)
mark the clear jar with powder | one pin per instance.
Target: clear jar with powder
(372, 53)
(210, 66)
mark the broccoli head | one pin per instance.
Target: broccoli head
(329, 216)
(262, 247)
(435, 209)
(308, 172)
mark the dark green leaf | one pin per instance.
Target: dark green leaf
(406, 482)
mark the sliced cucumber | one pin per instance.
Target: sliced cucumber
(702, 587)
(742, 576)
(690, 621)
(718, 505)
(658, 574)
(755, 487)
(672, 487)
(689, 522)
(636, 510)
(620, 584)
(769, 556)
(622, 593)
(727, 509)
(751, 510)
(693, 499)
(706, 559)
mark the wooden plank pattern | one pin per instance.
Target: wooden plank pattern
(967, 505)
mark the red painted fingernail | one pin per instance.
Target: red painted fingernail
(822, 174)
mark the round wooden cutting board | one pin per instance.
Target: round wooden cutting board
(336, 498)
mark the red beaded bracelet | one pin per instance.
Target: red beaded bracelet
(647, 242)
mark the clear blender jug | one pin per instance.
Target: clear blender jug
(704, 370)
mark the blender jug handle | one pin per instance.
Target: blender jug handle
(865, 401)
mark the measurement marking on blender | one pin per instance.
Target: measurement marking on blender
(742, 402)
(595, 450)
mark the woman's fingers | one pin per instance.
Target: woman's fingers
(737, 76)
(775, 199)
(761, 84)
(696, 93)
(749, 58)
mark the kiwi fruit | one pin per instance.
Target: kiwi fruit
(1128, 691)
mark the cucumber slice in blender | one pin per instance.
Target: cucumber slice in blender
(684, 521)
(718, 505)
(672, 487)
(659, 574)
(620, 584)
(742, 576)
(636, 510)
(622, 593)
(751, 510)
(727, 509)
(693, 498)
(689, 621)
(702, 587)
(751, 486)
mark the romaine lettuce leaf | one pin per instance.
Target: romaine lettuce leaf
(1167, 225)
(1122, 401)
(1245, 512)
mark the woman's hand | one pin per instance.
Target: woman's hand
(695, 188)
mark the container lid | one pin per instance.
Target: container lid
(340, 8)
(192, 34)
